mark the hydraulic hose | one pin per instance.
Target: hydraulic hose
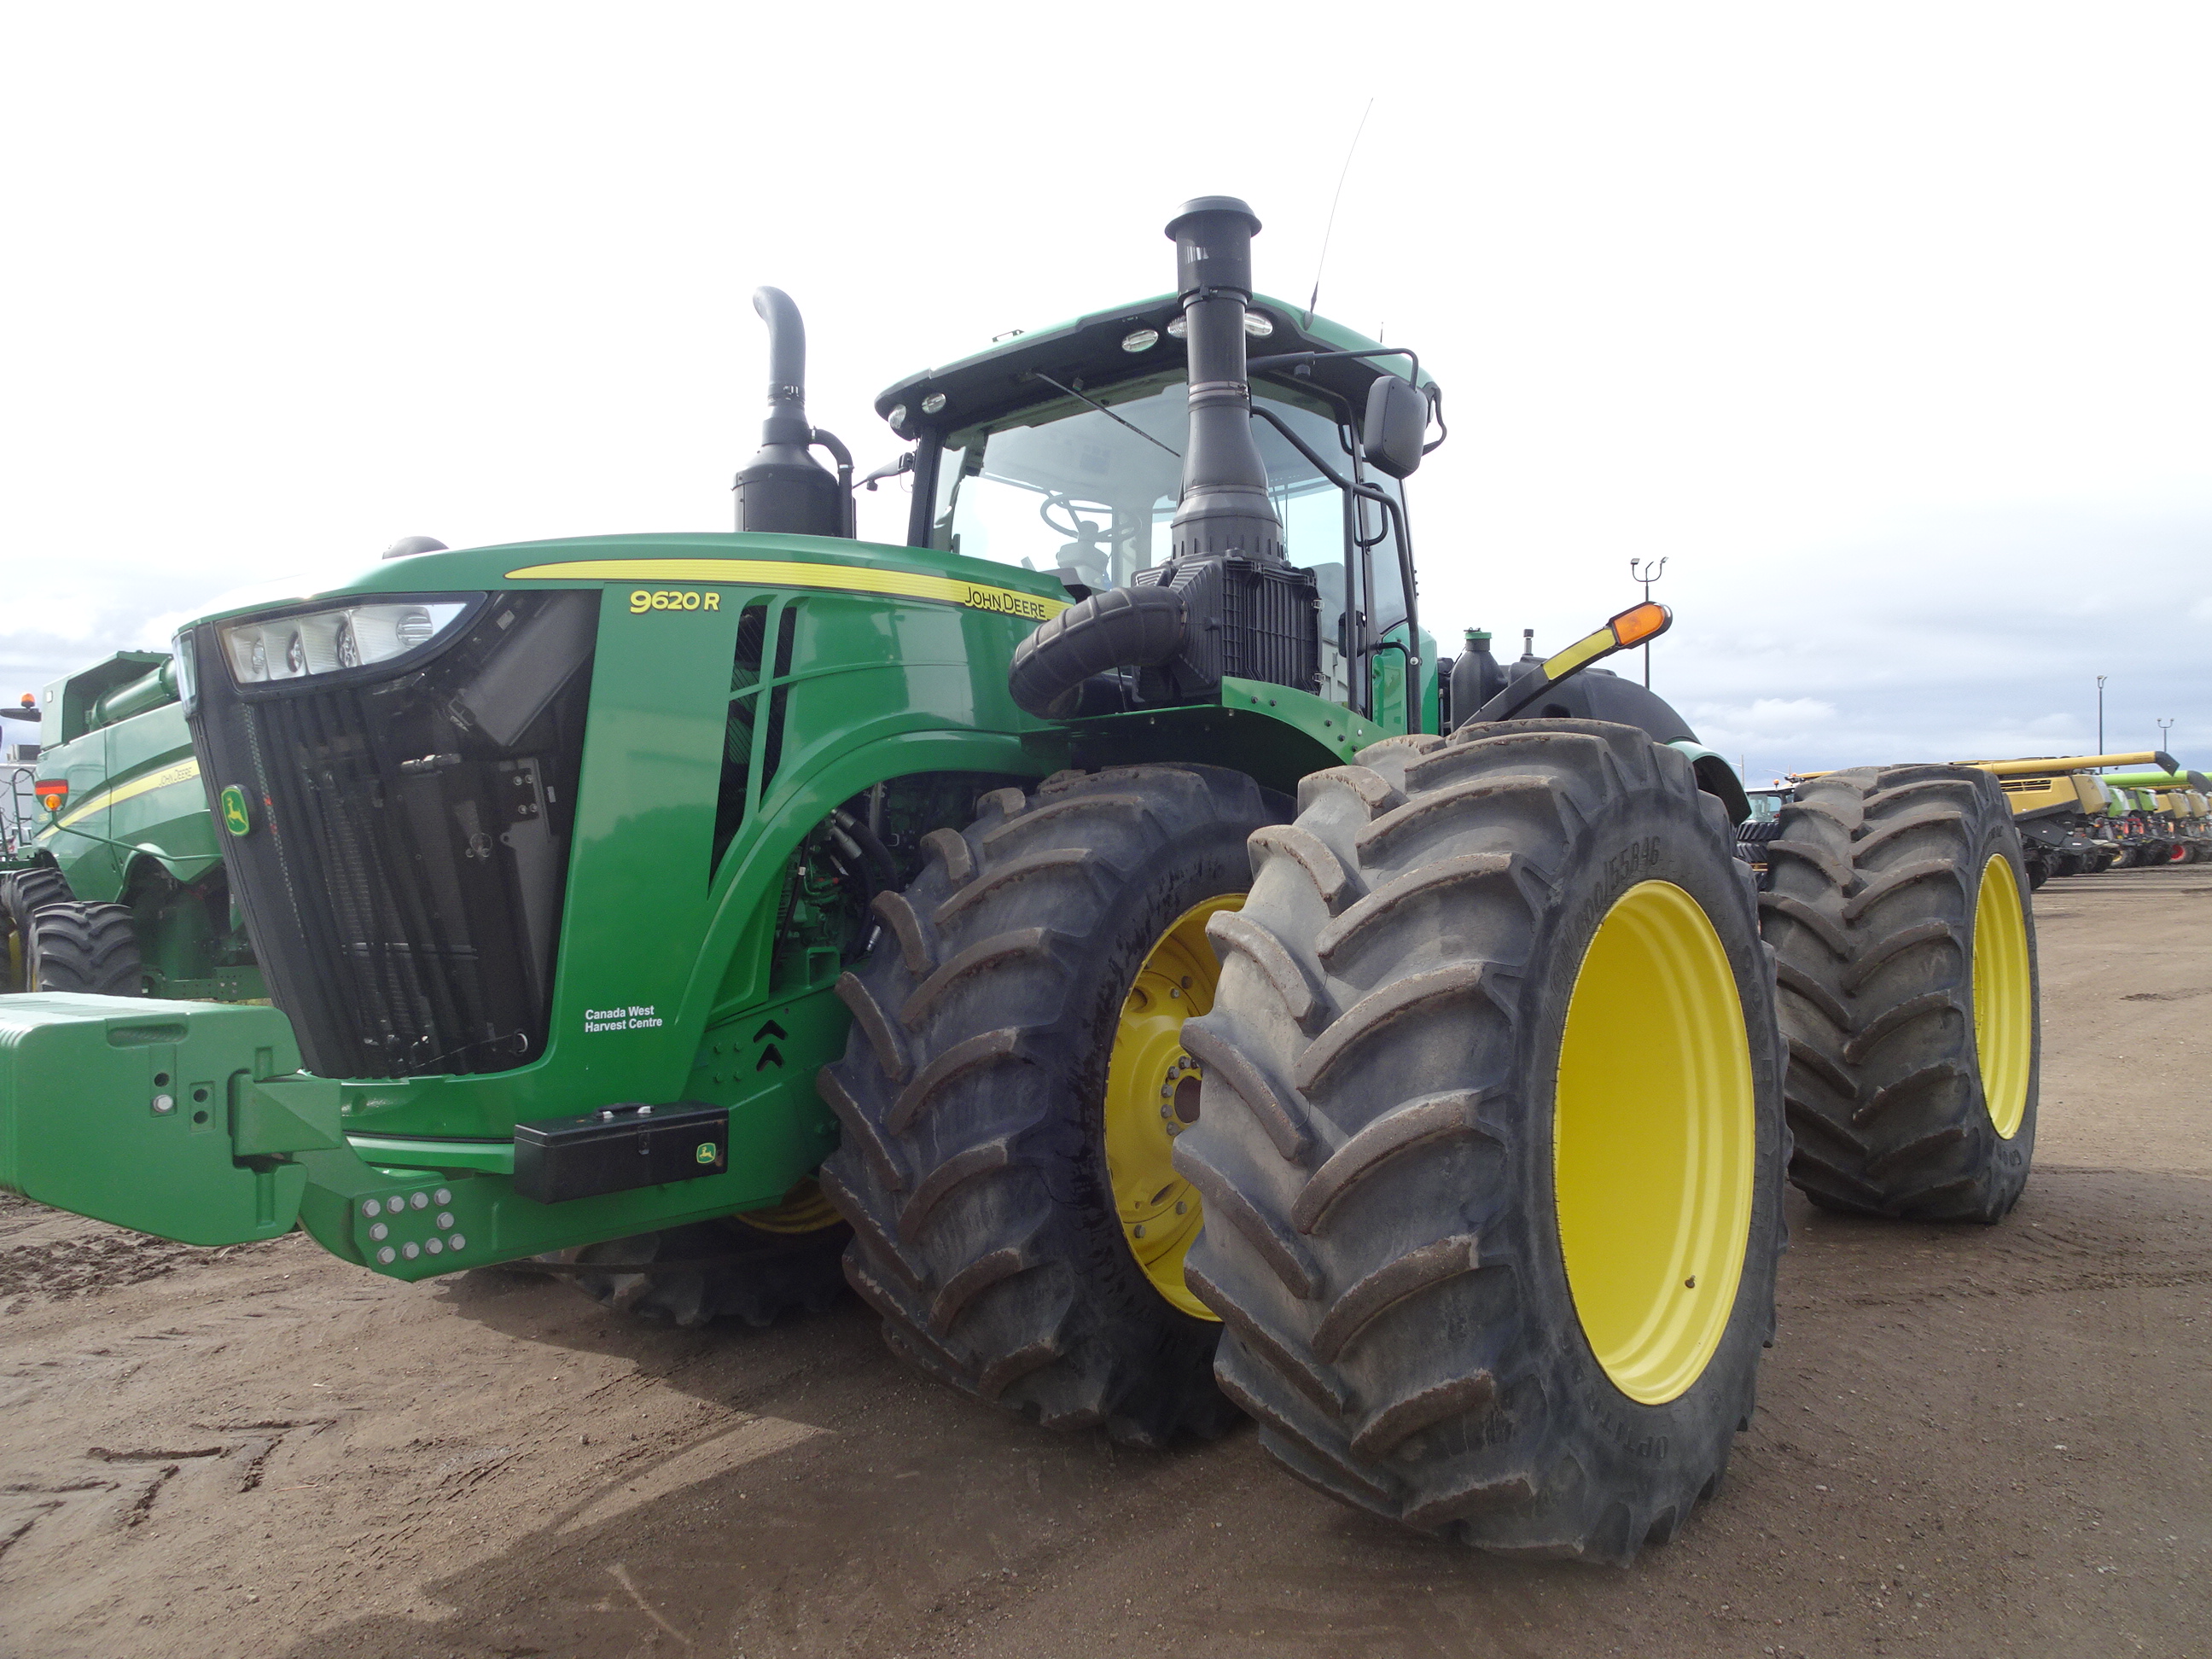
(1121, 628)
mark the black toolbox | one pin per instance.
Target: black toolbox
(617, 1148)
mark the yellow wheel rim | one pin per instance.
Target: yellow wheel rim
(2004, 997)
(1151, 1096)
(1654, 1142)
(803, 1210)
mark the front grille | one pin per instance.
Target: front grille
(403, 877)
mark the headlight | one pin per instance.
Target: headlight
(187, 668)
(324, 641)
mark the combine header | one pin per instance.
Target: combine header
(2060, 803)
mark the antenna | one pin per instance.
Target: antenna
(1644, 571)
(1329, 229)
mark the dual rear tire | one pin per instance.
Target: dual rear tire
(1493, 1139)
(1009, 1098)
(751, 1268)
(1487, 1139)
(53, 941)
(1489, 1131)
(1906, 944)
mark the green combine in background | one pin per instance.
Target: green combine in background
(111, 815)
(2167, 819)
(1076, 920)
(116, 885)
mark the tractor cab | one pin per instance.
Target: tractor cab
(1062, 451)
(1766, 804)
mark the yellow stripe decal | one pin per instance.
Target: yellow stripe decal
(109, 795)
(773, 573)
(1582, 651)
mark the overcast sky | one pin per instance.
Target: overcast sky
(1887, 326)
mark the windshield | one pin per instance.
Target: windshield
(1090, 493)
(1768, 802)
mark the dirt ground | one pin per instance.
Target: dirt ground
(1969, 1440)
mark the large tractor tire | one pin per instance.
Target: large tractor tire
(1013, 1087)
(751, 1266)
(1492, 1144)
(1750, 841)
(1909, 992)
(73, 946)
(21, 893)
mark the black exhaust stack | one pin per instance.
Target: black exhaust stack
(1225, 601)
(1224, 506)
(783, 488)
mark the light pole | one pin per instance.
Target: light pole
(1649, 573)
(2101, 714)
(2166, 736)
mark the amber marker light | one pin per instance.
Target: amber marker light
(52, 793)
(1633, 626)
(1639, 623)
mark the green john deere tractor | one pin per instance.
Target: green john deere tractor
(1073, 919)
(116, 883)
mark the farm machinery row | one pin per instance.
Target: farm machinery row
(2074, 819)
(1094, 926)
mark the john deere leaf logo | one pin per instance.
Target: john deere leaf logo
(706, 1152)
(235, 818)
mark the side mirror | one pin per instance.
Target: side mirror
(1397, 421)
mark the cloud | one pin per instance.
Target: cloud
(1914, 406)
